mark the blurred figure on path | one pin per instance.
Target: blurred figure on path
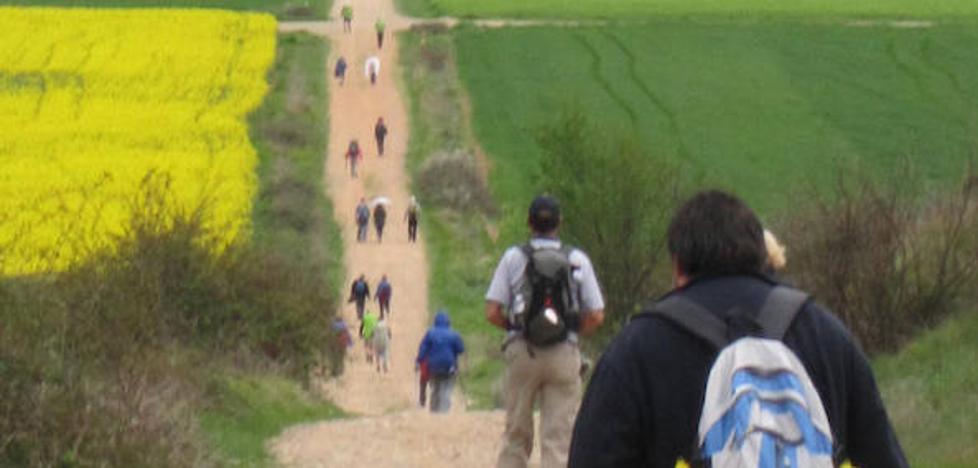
(371, 68)
(363, 220)
(380, 217)
(359, 293)
(411, 215)
(347, 13)
(340, 71)
(380, 133)
(367, 329)
(383, 296)
(440, 347)
(423, 377)
(380, 26)
(381, 340)
(342, 333)
(353, 157)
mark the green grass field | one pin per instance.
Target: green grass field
(632, 9)
(282, 9)
(929, 390)
(758, 108)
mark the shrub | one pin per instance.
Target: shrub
(887, 264)
(616, 202)
(104, 364)
(452, 180)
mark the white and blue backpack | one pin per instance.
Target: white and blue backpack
(760, 407)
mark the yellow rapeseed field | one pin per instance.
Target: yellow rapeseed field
(93, 100)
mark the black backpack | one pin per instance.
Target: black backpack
(549, 309)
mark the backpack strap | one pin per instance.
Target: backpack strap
(779, 310)
(776, 315)
(693, 318)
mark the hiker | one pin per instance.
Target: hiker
(380, 133)
(367, 328)
(383, 296)
(347, 13)
(440, 347)
(359, 293)
(411, 215)
(423, 377)
(380, 26)
(363, 220)
(543, 294)
(380, 340)
(380, 217)
(353, 157)
(342, 333)
(340, 71)
(371, 68)
(650, 402)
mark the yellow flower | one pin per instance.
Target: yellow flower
(93, 100)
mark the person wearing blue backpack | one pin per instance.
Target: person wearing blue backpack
(440, 348)
(731, 368)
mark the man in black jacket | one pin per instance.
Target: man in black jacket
(643, 404)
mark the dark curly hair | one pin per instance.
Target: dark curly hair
(715, 233)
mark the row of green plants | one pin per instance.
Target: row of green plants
(631, 10)
(171, 348)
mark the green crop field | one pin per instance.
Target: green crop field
(630, 9)
(283, 9)
(758, 108)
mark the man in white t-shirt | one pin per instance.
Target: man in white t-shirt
(548, 372)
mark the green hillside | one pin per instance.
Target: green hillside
(760, 108)
(631, 9)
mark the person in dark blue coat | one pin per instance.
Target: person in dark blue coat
(643, 405)
(440, 347)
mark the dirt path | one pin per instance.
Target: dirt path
(392, 431)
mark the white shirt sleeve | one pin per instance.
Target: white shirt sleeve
(504, 279)
(589, 290)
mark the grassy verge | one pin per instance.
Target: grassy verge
(760, 107)
(929, 390)
(458, 282)
(292, 215)
(282, 9)
(292, 218)
(250, 410)
(630, 9)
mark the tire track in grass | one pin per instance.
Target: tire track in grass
(919, 82)
(963, 96)
(605, 84)
(656, 101)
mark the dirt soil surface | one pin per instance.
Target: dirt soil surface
(389, 430)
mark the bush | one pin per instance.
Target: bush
(105, 364)
(452, 180)
(887, 264)
(616, 202)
